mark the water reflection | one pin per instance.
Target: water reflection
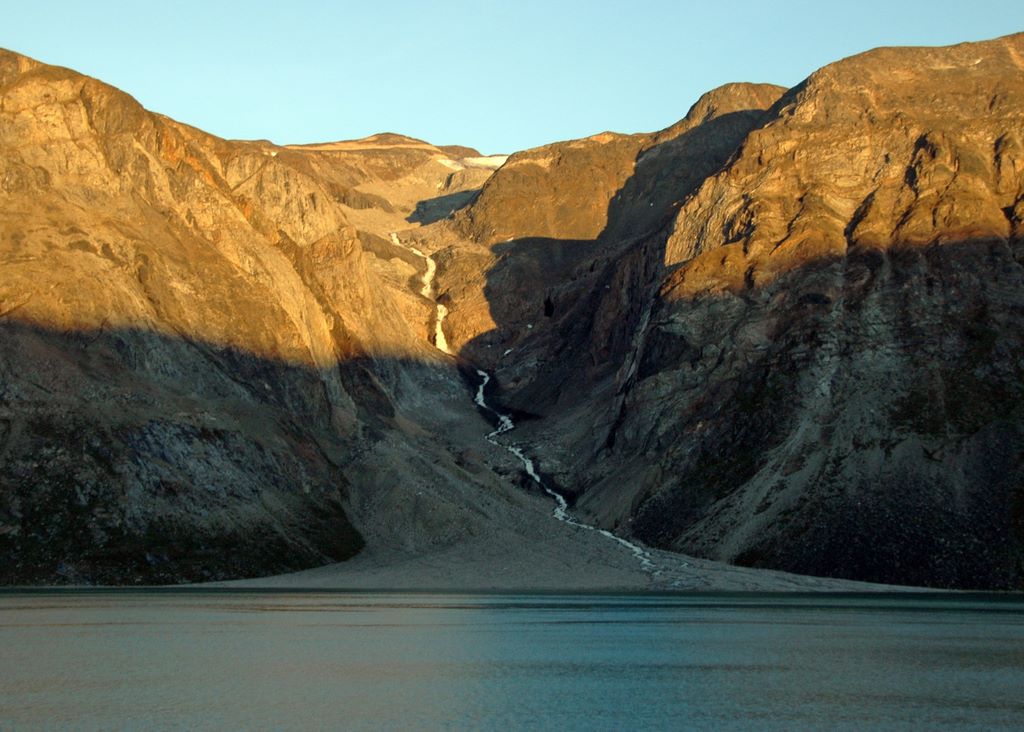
(372, 660)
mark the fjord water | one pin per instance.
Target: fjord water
(189, 659)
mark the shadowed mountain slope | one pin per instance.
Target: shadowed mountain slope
(782, 333)
(804, 355)
(203, 371)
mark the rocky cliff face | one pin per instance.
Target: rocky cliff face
(201, 351)
(802, 355)
(781, 332)
(556, 222)
(831, 381)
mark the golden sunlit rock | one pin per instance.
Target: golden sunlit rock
(782, 332)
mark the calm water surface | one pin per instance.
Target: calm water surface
(359, 661)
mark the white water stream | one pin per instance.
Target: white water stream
(440, 342)
(505, 424)
(561, 512)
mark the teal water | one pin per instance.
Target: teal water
(203, 660)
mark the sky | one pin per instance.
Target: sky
(496, 75)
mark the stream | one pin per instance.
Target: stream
(561, 512)
(427, 291)
(505, 423)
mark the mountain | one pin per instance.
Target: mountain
(209, 348)
(780, 333)
(861, 257)
(812, 365)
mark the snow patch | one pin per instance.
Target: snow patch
(486, 161)
(439, 340)
(449, 163)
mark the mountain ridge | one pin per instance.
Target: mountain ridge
(777, 333)
(753, 306)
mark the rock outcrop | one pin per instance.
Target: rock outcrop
(831, 381)
(201, 351)
(556, 221)
(802, 356)
(782, 332)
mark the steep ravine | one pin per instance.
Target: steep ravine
(561, 510)
(782, 333)
(826, 377)
(505, 423)
(427, 291)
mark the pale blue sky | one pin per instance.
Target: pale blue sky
(500, 76)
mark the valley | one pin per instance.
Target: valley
(774, 346)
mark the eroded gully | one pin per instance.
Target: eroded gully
(505, 423)
(440, 343)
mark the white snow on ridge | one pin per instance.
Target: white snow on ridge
(449, 163)
(489, 162)
(486, 161)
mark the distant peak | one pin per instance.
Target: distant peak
(727, 99)
(388, 140)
